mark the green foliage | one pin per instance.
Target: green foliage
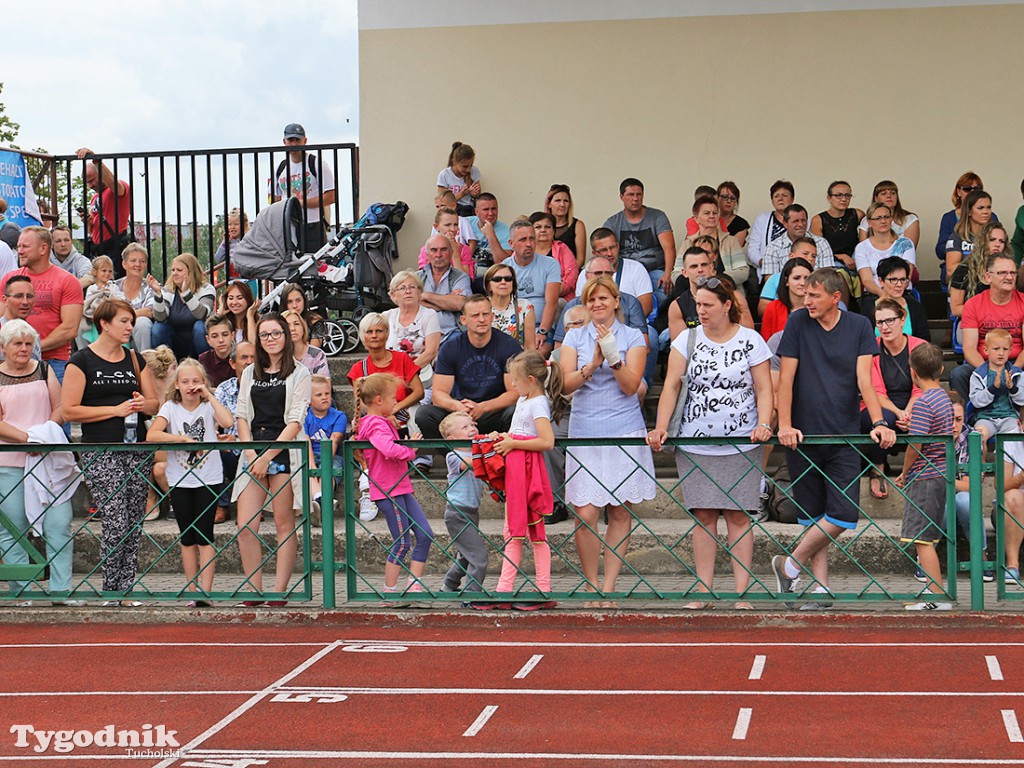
(8, 128)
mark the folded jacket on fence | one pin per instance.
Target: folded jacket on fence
(528, 499)
(51, 478)
(489, 466)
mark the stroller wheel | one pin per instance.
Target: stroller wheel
(351, 335)
(358, 314)
(333, 336)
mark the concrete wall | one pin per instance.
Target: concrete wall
(916, 94)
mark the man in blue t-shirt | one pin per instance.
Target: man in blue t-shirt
(470, 377)
(490, 242)
(826, 359)
(538, 280)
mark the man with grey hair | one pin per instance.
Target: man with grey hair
(66, 256)
(444, 289)
(539, 281)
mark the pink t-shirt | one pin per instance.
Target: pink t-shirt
(979, 312)
(54, 288)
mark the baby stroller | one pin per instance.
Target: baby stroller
(343, 281)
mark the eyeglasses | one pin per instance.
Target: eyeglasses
(604, 251)
(575, 323)
(1004, 273)
(598, 272)
(880, 218)
(708, 282)
(267, 335)
(728, 198)
(503, 279)
(843, 195)
(885, 322)
(20, 296)
(406, 288)
(968, 188)
(897, 280)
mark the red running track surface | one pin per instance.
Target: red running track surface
(531, 694)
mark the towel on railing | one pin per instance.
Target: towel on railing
(50, 478)
(528, 497)
(489, 466)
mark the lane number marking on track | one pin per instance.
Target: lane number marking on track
(528, 666)
(1012, 727)
(994, 670)
(308, 697)
(369, 648)
(739, 733)
(758, 668)
(481, 720)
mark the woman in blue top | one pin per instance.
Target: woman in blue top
(603, 363)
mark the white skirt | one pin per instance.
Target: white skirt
(609, 474)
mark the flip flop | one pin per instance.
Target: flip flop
(882, 491)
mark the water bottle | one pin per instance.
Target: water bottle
(274, 468)
(131, 428)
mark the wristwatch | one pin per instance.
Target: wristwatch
(616, 366)
(543, 332)
(879, 423)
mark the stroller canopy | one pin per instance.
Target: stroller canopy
(268, 250)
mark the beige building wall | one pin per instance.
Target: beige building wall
(917, 95)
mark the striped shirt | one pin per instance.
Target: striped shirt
(932, 414)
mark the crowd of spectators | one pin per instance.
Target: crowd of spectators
(795, 325)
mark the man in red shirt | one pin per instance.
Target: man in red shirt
(107, 222)
(1001, 306)
(58, 306)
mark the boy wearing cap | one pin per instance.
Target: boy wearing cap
(308, 178)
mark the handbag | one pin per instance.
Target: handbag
(677, 412)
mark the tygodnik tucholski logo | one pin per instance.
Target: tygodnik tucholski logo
(148, 738)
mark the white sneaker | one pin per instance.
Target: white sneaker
(929, 606)
(423, 462)
(367, 509)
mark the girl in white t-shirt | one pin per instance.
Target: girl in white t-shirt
(528, 497)
(461, 177)
(192, 415)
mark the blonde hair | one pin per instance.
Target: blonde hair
(173, 393)
(448, 422)
(196, 278)
(998, 334)
(319, 378)
(530, 363)
(159, 360)
(375, 385)
(98, 263)
(289, 313)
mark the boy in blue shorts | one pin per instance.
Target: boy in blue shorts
(323, 422)
(923, 476)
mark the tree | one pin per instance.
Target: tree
(8, 128)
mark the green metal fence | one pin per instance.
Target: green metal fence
(868, 565)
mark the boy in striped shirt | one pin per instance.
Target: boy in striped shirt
(924, 469)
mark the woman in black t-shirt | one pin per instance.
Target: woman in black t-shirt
(273, 395)
(107, 389)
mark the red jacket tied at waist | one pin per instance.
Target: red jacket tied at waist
(528, 497)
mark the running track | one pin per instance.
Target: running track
(537, 692)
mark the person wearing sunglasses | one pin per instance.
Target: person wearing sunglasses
(967, 183)
(512, 315)
(894, 278)
(1001, 306)
(881, 243)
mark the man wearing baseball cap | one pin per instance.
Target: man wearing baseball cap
(306, 177)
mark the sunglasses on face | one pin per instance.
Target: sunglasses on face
(502, 279)
(969, 188)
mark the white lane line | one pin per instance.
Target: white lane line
(994, 670)
(19, 694)
(1012, 727)
(225, 721)
(739, 733)
(528, 666)
(234, 646)
(758, 668)
(481, 720)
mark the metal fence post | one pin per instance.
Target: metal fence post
(974, 457)
(327, 520)
(351, 566)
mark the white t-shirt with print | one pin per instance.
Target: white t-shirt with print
(456, 184)
(300, 180)
(528, 410)
(192, 469)
(720, 399)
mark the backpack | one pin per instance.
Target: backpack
(781, 507)
(310, 162)
(391, 215)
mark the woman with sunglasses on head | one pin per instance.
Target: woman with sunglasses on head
(894, 278)
(890, 375)
(730, 365)
(975, 213)
(568, 229)
(968, 279)
(904, 222)
(512, 315)
(838, 223)
(881, 243)
(967, 183)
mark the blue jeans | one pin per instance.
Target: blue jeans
(58, 370)
(659, 293)
(652, 355)
(963, 518)
(184, 342)
(56, 531)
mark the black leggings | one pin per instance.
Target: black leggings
(194, 509)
